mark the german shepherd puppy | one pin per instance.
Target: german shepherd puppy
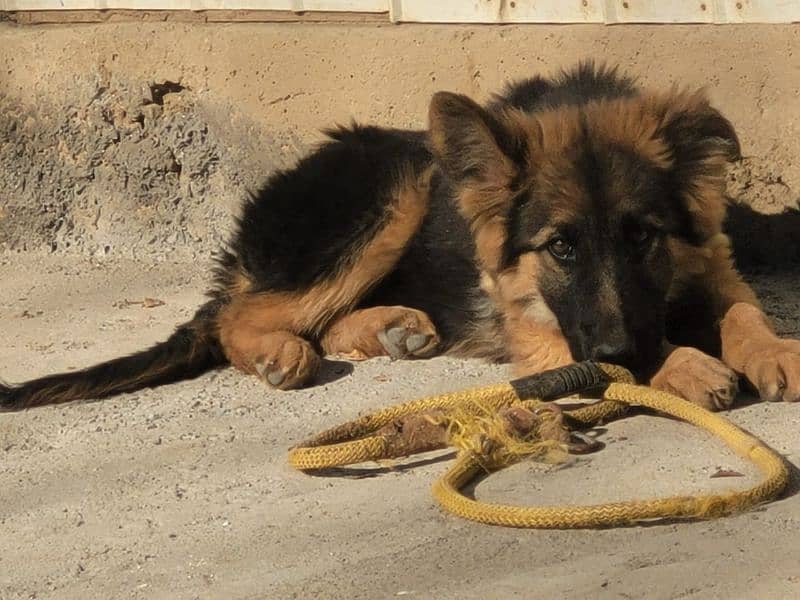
(571, 218)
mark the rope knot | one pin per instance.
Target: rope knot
(502, 437)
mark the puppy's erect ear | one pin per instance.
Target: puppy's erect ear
(482, 155)
(476, 149)
(702, 142)
(700, 132)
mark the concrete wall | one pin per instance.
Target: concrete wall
(101, 154)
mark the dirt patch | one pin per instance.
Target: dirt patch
(135, 169)
(184, 491)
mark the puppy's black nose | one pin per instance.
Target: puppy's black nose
(618, 352)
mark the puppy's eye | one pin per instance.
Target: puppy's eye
(641, 237)
(561, 249)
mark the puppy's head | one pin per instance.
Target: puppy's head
(573, 210)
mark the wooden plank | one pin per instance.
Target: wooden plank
(345, 5)
(647, 11)
(497, 11)
(284, 5)
(33, 17)
(761, 11)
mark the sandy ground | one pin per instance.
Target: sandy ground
(111, 192)
(184, 491)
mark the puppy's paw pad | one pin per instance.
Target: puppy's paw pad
(288, 363)
(405, 342)
(410, 335)
(417, 342)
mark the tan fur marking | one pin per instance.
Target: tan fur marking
(240, 285)
(358, 334)
(490, 235)
(550, 132)
(249, 316)
(534, 338)
(706, 198)
(630, 122)
(750, 347)
(536, 347)
(712, 266)
(697, 377)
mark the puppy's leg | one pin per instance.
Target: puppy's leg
(697, 377)
(394, 331)
(266, 332)
(749, 345)
(280, 358)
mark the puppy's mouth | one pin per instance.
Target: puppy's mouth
(641, 363)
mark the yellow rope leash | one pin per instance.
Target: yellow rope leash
(464, 419)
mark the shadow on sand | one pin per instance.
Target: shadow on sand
(764, 242)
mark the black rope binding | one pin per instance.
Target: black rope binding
(556, 383)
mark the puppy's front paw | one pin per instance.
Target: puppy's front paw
(697, 377)
(774, 369)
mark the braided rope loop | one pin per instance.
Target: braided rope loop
(360, 440)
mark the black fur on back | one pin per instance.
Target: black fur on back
(438, 274)
(582, 84)
(300, 228)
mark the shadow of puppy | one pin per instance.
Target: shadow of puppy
(761, 242)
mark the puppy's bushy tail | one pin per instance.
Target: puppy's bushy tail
(190, 351)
